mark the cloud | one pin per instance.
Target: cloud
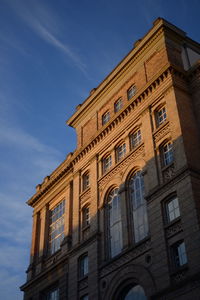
(45, 24)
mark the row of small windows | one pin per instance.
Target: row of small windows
(118, 104)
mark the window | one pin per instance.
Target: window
(135, 139)
(52, 295)
(106, 164)
(114, 222)
(167, 153)
(118, 105)
(86, 180)
(179, 255)
(56, 230)
(85, 297)
(161, 116)
(86, 216)
(135, 292)
(105, 118)
(120, 152)
(131, 92)
(139, 207)
(83, 266)
(172, 209)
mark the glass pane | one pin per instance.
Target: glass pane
(135, 293)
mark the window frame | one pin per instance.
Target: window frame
(168, 219)
(85, 181)
(132, 90)
(167, 156)
(86, 216)
(137, 140)
(118, 105)
(106, 163)
(179, 257)
(54, 243)
(160, 118)
(120, 152)
(105, 117)
(83, 266)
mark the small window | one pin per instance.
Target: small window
(86, 180)
(106, 118)
(106, 164)
(135, 139)
(86, 216)
(120, 152)
(172, 209)
(118, 105)
(52, 295)
(167, 154)
(83, 266)
(179, 255)
(131, 92)
(161, 116)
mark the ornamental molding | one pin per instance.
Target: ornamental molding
(120, 167)
(161, 132)
(85, 195)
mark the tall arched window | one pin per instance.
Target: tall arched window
(114, 222)
(139, 207)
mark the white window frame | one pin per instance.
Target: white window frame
(135, 139)
(161, 116)
(105, 117)
(172, 209)
(167, 153)
(86, 180)
(106, 163)
(179, 254)
(120, 152)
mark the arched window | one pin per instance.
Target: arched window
(139, 207)
(114, 223)
(134, 293)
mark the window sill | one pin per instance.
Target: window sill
(171, 223)
(177, 270)
(85, 191)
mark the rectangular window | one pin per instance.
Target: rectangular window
(106, 118)
(167, 154)
(106, 164)
(120, 152)
(161, 116)
(83, 266)
(56, 230)
(179, 255)
(86, 216)
(173, 211)
(86, 181)
(52, 295)
(118, 105)
(135, 139)
(131, 92)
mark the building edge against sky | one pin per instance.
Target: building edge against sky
(120, 217)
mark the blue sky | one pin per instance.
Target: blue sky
(52, 53)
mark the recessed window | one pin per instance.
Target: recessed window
(83, 266)
(56, 230)
(86, 180)
(52, 295)
(135, 139)
(179, 255)
(167, 154)
(114, 222)
(172, 209)
(161, 116)
(138, 207)
(86, 216)
(120, 152)
(105, 118)
(106, 164)
(118, 105)
(131, 92)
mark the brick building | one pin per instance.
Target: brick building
(119, 218)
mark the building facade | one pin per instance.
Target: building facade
(119, 219)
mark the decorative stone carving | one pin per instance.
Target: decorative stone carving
(121, 166)
(173, 229)
(160, 133)
(168, 172)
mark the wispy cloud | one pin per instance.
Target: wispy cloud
(45, 24)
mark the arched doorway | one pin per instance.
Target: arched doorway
(132, 293)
